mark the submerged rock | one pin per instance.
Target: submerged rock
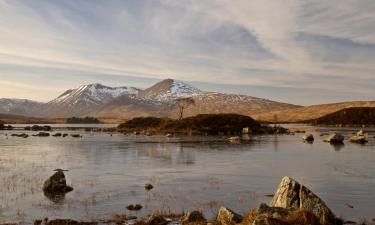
(335, 138)
(148, 186)
(76, 135)
(68, 222)
(308, 137)
(235, 139)
(56, 184)
(23, 135)
(57, 135)
(42, 134)
(291, 194)
(358, 139)
(135, 207)
(228, 217)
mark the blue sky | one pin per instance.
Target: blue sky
(302, 52)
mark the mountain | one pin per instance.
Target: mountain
(309, 112)
(169, 89)
(159, 100)
(19, 106)
(84, 99)
(130, 106)
(214, 102)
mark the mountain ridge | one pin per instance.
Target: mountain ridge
(158, 100)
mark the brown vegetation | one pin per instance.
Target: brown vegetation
(309, 112)
(351, 116)
(211, 124)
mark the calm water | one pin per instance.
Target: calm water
(109, 172)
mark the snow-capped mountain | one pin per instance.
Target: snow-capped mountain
(93, 94)
(170, 89)
(84, 99)
(128, 102)
(19, 106)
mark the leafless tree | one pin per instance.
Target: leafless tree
(184, 103)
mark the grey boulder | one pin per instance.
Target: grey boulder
(292, 195)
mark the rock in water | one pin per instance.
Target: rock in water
(228, 217)
(361, 133)
(308, 137)
(335, 138)
(358, 139)
(235, 139)
(148, 186)
(56, 184)
(291, 194)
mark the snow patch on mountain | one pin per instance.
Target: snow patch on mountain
(93, 93)
(172, 89)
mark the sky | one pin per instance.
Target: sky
(297, 51)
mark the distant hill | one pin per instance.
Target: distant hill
(27, 120)
(19, 106)
(350, 116)
(309, 112)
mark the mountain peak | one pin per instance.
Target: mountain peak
(170, 89)
(95, 93)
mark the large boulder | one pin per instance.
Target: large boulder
(292, 195)
(228, 217)
(335, 138)
(56, 184)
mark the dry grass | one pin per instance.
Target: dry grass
(297, 217)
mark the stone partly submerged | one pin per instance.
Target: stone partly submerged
(308, 137)
(234, 139)
(228, 217)
(292, 195)
(361, 133)
(360, 139)
(56, 184)
(335, 138)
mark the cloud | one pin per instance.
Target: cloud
(312, 44)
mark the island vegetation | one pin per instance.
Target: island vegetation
(84, 120)
(202, 124)
(356, 116)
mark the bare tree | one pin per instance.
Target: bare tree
(184, 103)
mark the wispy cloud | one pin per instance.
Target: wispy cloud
(317, 45)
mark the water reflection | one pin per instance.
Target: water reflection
(55, 198)
(175, 154)
(190, 172)
(337, 146)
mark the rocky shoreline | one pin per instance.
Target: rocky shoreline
(292, 204)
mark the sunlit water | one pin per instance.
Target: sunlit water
(108, 172)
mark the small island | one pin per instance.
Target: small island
(85, 120)
(202, 124)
